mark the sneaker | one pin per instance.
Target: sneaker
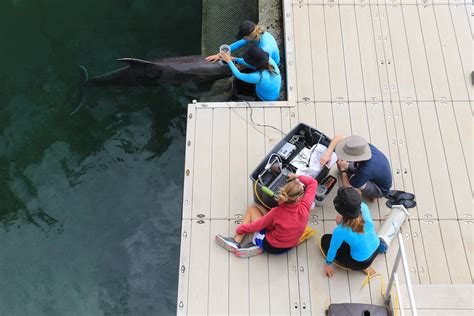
(247, 252)
(227, 243)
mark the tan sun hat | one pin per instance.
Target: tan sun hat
(353, 148)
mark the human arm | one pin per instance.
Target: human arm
(336, 242)
(311, 186)
(236, 45)
(328, 270)
(366, 213)
(258, 225)
(359, 179)
(250, 78)
(243, 63)
(342, 166)
(326, 156)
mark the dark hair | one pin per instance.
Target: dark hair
(268, 67)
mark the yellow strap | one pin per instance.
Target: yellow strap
(308, 233)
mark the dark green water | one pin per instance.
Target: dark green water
(90, 204)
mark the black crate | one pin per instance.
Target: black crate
(311, 137)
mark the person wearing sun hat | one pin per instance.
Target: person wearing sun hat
(266, 77)
(361, 164)
(354, 243)
(249, 32)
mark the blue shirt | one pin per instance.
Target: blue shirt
(363, 245)
(267, 85)
(376, 169)
(267, 43)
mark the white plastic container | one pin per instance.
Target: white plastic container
(392, 224)
(224, 49)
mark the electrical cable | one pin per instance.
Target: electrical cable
(258, 197)
(260, 125)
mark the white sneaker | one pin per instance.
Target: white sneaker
(227, 243)
(247, 252)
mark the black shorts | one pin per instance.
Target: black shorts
(273, 250)
(343, 255)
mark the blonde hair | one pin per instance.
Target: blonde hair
(356, 224)
(256, 33)
(291, 192)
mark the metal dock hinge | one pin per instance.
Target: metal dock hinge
(183, 269)
(181, 305)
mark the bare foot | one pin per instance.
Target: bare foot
(370, 272)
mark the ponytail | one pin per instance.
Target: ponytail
(257, 32)
(291, 192)
(356, 224)
(268, 67)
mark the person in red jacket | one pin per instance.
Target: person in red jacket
(280, 229)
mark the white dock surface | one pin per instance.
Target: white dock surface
(396, 72)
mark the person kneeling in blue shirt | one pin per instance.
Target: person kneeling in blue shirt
(354, 243)
(267, 78)
(362, 166)
(251, 33)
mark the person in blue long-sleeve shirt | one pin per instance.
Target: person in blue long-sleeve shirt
(354, 243)
(249, 32)
(266, 77)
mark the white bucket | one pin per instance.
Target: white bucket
(392, 224)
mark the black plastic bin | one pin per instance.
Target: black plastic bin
(311, 136)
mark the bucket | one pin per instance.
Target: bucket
(392, 224)
(324, 188)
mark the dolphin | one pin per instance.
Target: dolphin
(170, 71)
(165, 71)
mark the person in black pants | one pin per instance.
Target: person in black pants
(354, 243)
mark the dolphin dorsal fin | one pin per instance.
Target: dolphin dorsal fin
(132, 61)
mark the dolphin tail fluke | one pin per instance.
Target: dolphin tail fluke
(84, 74)
(84, 79)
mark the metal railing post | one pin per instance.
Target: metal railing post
(394, 271)
(407, 274)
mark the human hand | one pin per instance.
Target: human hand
(342, 165)
(292, 177)
(329, 271)
(213, 58)
(325, 157)
(225, 57)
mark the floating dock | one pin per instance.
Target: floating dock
(396, 72)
